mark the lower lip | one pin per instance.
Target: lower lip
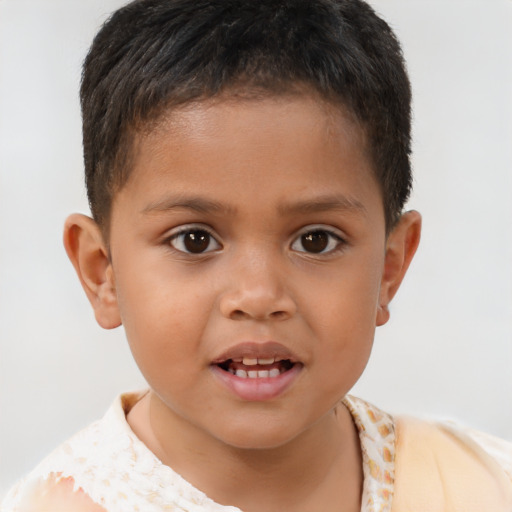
(258, 390)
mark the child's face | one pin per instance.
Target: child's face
(250, 230)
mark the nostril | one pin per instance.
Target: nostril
(238, 314)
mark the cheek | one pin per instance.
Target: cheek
(347, 300)
(163, 325)
(345, 314)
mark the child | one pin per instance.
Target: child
(247, 164)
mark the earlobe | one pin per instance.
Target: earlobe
(401, 246)
(88, 253)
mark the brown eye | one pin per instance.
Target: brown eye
(317, 241)
(194, 241)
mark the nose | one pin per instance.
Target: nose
(257, 291)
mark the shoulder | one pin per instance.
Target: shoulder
(81, 472)
(440, 466)
(54, 494)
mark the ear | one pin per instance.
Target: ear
(401, 246)
(89, 255)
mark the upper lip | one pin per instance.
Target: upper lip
(257, 350)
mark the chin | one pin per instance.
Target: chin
(254, 436)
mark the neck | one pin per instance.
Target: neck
(320, 469)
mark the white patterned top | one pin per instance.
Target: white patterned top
(109, 463)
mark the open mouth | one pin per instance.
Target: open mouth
(257, 371)
(256, 368)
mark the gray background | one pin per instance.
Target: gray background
(447, 351)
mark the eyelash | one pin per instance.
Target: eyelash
(334, 242)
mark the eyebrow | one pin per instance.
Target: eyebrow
(197, 204)
(323, 204)
(203, 205)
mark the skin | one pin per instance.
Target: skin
(257, 176)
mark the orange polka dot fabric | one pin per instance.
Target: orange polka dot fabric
(377, 436)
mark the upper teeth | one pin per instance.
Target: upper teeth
(250, 361)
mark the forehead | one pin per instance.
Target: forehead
(274, 147)
(252, 109)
